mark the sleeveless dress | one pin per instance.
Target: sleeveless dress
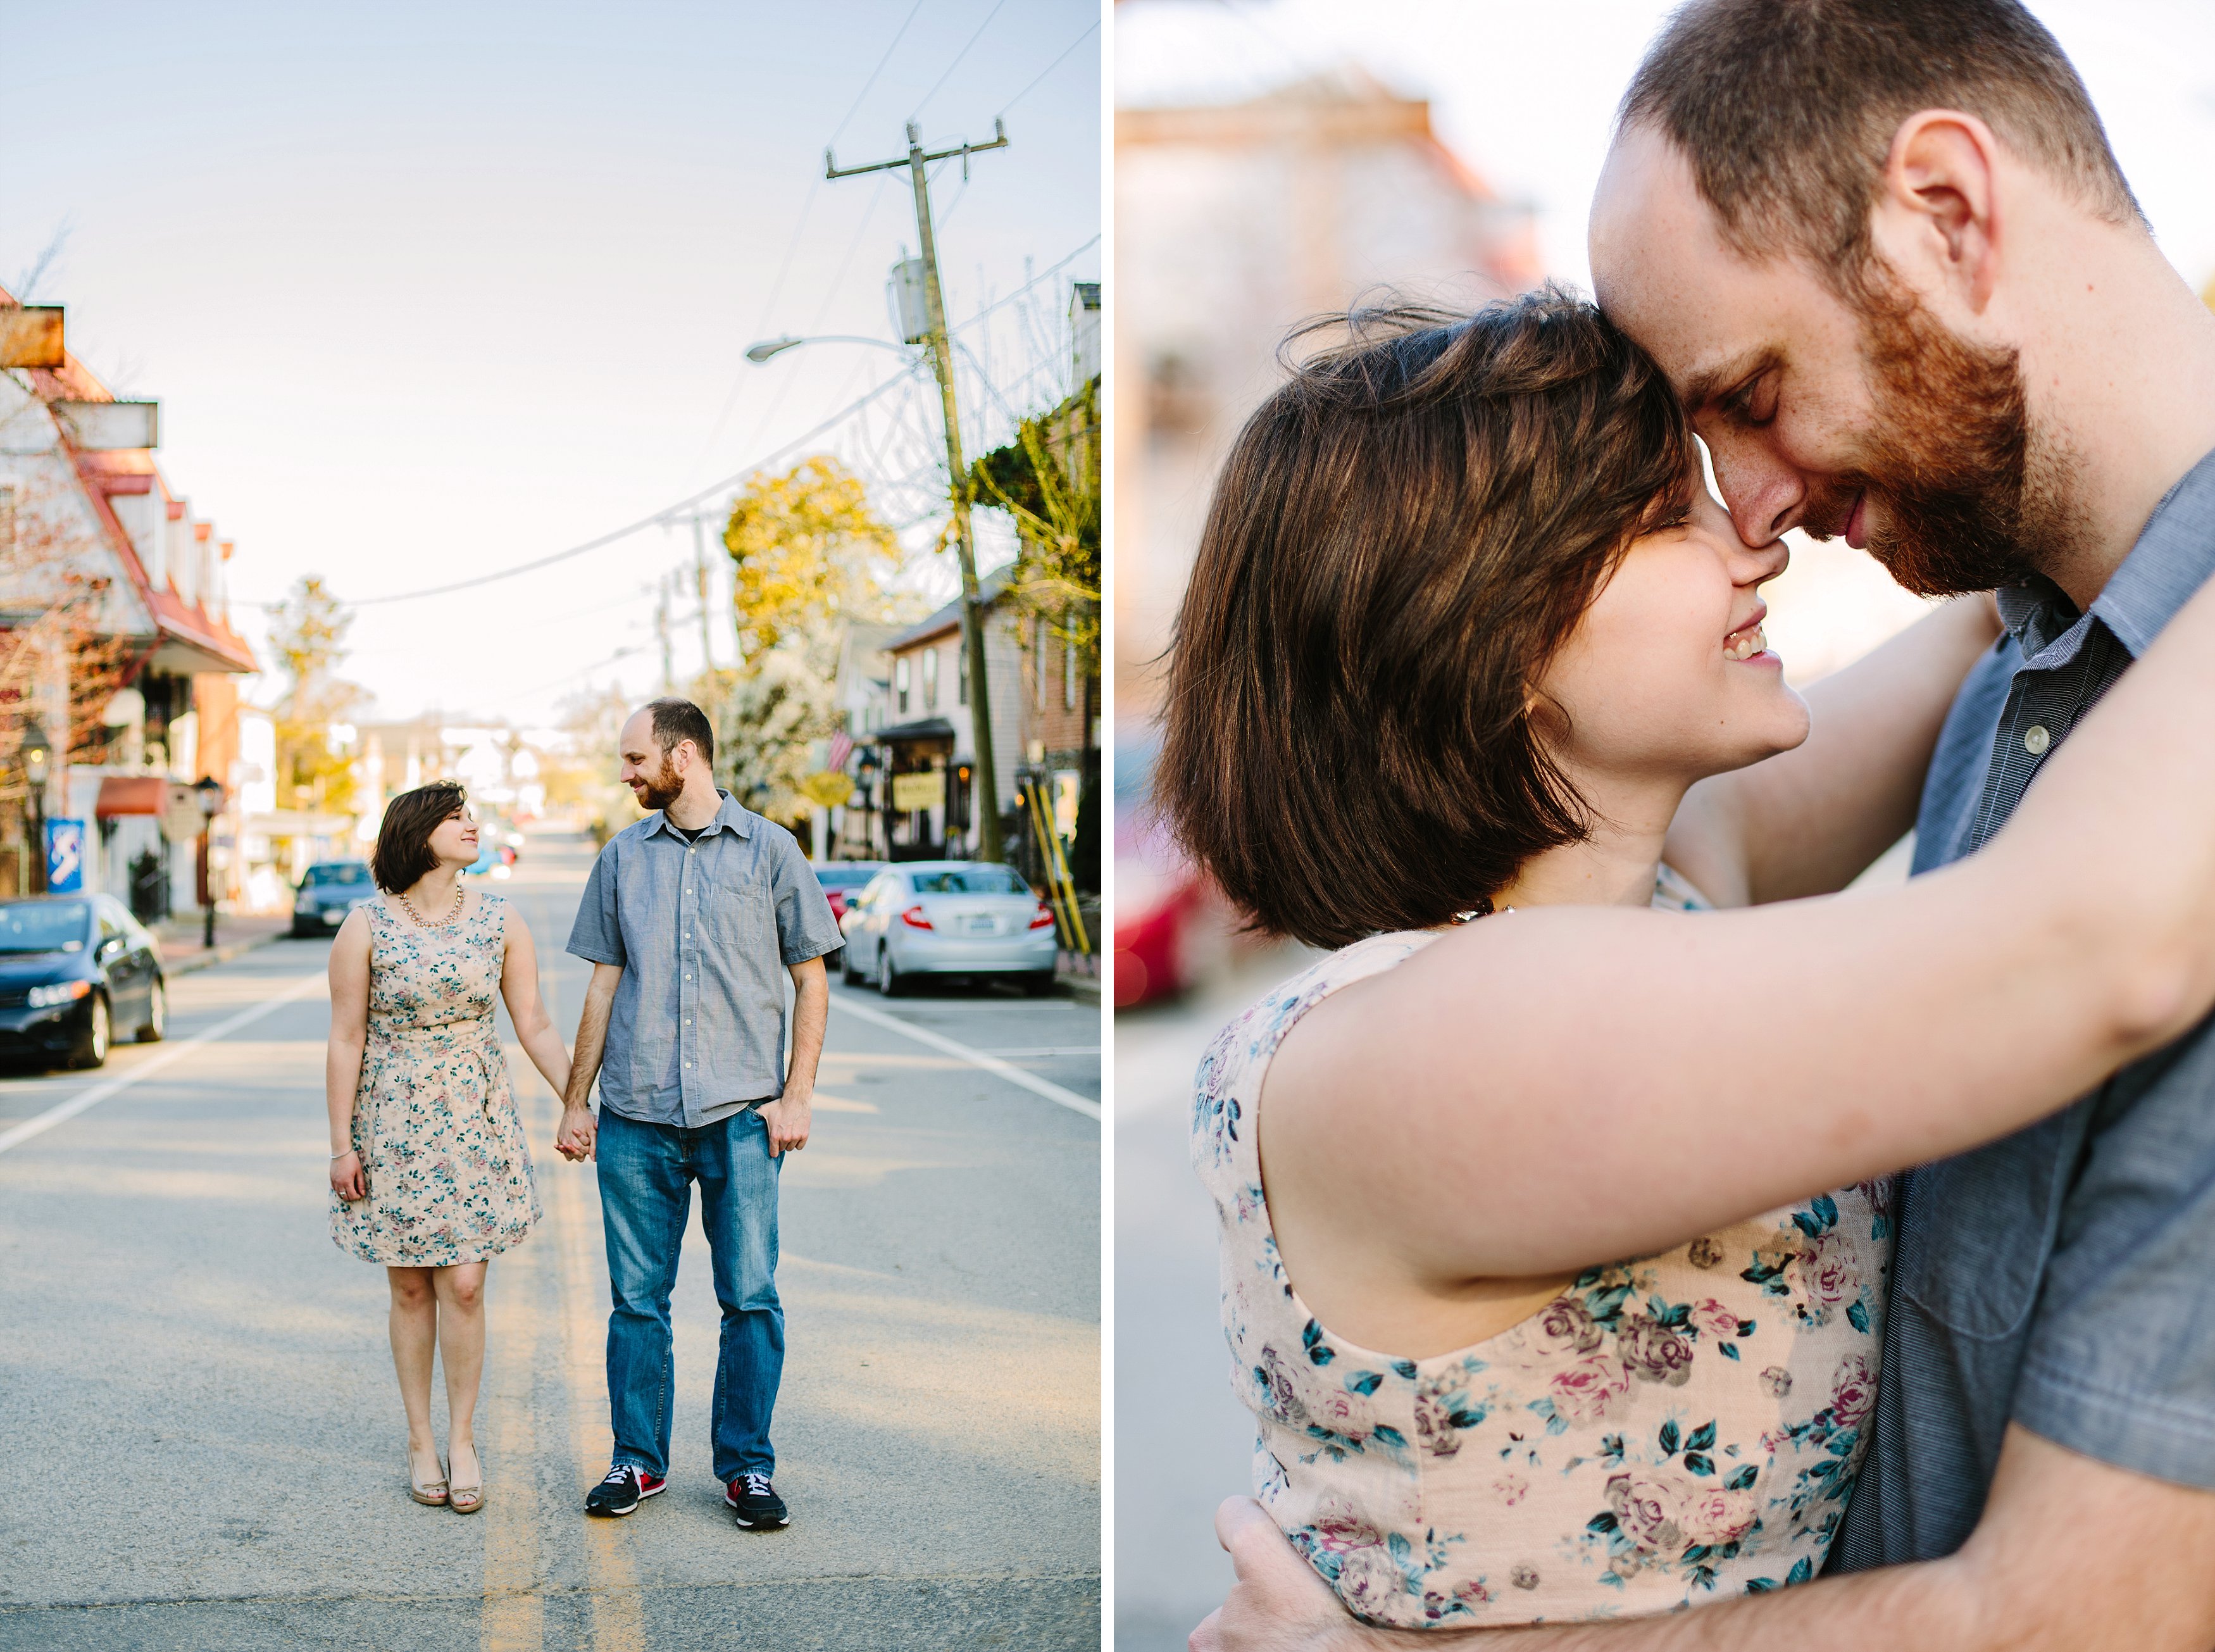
(1665, 1430)
(434, 1118)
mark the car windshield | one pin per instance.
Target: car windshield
(337, 872)
(43, 926)
(844, 877)
(985, 880)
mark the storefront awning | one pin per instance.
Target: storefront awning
(901, 733)
(134, 794)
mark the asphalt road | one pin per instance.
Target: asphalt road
(197, 1403)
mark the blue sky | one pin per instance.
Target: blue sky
(425, 290)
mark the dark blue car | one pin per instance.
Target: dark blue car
(73, 970)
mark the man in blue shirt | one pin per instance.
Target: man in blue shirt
(1884, 254)
(692, 919)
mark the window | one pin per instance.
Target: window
(982, 879)
(1069, 675)
(1038, 662)
(961, 667)
(930, 679)
(900, 682)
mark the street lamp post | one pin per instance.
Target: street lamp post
(868, 773)
(38, 763)
(207, 792)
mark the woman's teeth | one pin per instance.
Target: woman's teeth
(1744, 645)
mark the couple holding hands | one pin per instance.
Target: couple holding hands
(689, 918)
(1621, 1220)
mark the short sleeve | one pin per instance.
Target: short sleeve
(597, 936)
(2120, 1362)
(805, 927)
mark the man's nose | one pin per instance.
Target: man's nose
(1764, 496)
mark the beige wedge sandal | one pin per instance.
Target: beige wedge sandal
(433, 1495)
(465, 1500)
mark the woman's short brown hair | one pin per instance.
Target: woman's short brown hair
(1401, 537)
(404, 854)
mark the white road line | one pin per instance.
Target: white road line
(100, 1093)
(992, 1064)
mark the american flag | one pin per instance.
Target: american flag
(841, 747)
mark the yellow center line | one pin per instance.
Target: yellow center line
(611, 1571)
(618, 1618)
(514, 1616)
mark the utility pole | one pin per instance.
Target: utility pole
(916, 160)
(700, 562)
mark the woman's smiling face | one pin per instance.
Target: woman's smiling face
(1667, 675)
(454, 839)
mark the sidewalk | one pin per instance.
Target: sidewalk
(234, 933)
(1080, 972)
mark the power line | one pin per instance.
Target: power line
(644, 523)
(956, 64)
(670, 511)
(791, 247)
(897, 35)
(1051, 67)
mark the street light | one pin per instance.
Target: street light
(868, 773)
(38, 763)
(760, 353)
(207, 792)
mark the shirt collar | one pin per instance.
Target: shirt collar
(731, 815)
(2173, 555)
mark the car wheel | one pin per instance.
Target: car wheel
(835, 961)
(158, 1014)
(847, 972)
(889, 975)
(92, 1045)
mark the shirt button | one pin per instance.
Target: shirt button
(2035, 740)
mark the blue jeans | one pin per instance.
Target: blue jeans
(645, 1170)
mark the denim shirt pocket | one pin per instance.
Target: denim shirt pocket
(739, 915)
(1983, 1223)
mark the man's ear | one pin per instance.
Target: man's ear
(1937, 220)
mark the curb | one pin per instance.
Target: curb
(1084, 989)
(208, 957)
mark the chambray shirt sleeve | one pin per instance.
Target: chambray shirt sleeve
(805, 928)
(598, 933)
(2120, 1361)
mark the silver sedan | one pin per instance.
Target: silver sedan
(949, 917)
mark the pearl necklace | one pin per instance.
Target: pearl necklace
(446, 922)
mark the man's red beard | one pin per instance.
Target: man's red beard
(660, 790)
(1949, 461)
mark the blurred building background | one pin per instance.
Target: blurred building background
(1278, 160)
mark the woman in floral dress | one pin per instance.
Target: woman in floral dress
(1555, 1222)
(430, 1173)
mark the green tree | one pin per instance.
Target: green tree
(1048, 480)
(809, 558)
(308, 637)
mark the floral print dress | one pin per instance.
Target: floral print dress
(442, 1147)
(1665, 1431)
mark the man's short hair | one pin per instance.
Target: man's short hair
(676, 721)
(1786, 110)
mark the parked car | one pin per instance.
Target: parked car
(841, 879)
(72, 969)
(947, 917)
(330, 890)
